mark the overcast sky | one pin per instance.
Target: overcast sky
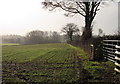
(22, 16)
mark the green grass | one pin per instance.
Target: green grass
(6, 44)
(53, 63)
(97, 71)
(39, 63)
(24, 53)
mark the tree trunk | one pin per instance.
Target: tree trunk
(70, 38)
(87, 32)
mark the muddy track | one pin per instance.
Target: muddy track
(16, 68)
(83, 74)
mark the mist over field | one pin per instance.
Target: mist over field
(59, 41)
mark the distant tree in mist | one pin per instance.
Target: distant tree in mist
(70, 29)
(118, 31)
(100, 32)
(12, 38)
(34, 37)
(56, 37)
(38, 37)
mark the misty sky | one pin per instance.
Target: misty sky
(22, 16)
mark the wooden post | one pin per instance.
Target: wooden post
(92, 50)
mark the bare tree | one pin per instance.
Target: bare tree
(12, 38)
(87, 9)
(56, 37)
(35, 37)
(118, 31)
(100, 32)
(70, 29)
(38, 37)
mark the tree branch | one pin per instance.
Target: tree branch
(80, 6)
(68, 9)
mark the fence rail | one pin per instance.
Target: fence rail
(111, 51)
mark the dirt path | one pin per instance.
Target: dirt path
(83, 74)
(13, 69)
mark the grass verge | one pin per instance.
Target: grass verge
(95, 71)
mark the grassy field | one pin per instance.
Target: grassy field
(5, 44)
(39, 63)
(53, 63)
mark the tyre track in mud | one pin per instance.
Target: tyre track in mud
(78, 67)
(82, 73)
